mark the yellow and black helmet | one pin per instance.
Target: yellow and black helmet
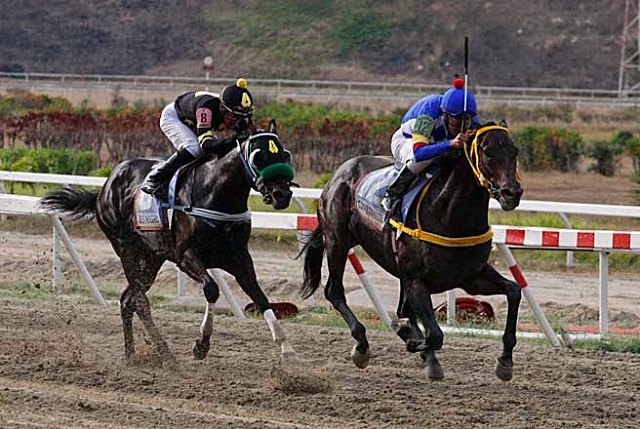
(237, 100)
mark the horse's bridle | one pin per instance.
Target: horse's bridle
(471, 152)
(257, 182)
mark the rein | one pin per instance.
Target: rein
(471, 154)
(474, 160)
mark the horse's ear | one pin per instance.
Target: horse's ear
(503, 123)
(272, 127)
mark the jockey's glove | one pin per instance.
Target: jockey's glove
(242, 129)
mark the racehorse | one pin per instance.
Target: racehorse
(445, 242)
(210, 230)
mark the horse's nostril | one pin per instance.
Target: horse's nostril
(506, 193)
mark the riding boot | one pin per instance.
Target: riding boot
(156, 181)
(397, 189)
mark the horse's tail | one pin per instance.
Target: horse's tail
(313, 251)
(78, 203)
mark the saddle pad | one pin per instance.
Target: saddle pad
(371, 188)
(368, 193)
(148, 214)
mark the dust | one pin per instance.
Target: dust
(299, 379)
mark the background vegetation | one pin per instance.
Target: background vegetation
(320, 137)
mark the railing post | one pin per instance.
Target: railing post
(57, 269)
(604, 292)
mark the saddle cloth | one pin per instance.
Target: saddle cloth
(370, 189)
(150, 214)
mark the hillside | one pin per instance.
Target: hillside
(540, 43)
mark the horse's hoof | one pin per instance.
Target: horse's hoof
(360, 359)
(200, 349)
(504, 371)
(434, 371)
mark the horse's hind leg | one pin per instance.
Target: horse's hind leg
(491, 282)
(334, 292)
(140, 274)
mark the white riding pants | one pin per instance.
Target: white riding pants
(177, 132)
(402, 150)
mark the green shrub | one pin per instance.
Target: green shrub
(549, 148)
(607, 154)
(633, 148)
(55, 161)
(101, 172)
(9, 156)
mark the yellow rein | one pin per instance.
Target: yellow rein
(472, 154)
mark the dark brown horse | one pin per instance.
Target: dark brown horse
(211, 232)
(446, 243)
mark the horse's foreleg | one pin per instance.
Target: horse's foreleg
(491, 282)
(245, 275)
(202, 346)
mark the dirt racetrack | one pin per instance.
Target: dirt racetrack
(62, 364)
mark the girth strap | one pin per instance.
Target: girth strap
(441, 240)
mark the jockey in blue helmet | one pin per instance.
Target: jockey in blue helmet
(434, 125)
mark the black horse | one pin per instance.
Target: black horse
(211, 231)
(445, 244)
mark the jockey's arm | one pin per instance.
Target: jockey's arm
(204, 126)
(423, 148)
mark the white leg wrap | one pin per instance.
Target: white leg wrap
(206, 329)
(274, 325)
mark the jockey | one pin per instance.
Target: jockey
(434, 125)
(190, 124)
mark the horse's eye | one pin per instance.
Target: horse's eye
(488, 153)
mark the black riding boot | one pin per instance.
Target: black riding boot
(397, 189)
(162, 173)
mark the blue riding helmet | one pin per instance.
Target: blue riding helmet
(453, 101)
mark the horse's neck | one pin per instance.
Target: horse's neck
(221, 185)
(461, 202)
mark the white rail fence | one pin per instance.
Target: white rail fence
(506, 237)
(282, 89)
